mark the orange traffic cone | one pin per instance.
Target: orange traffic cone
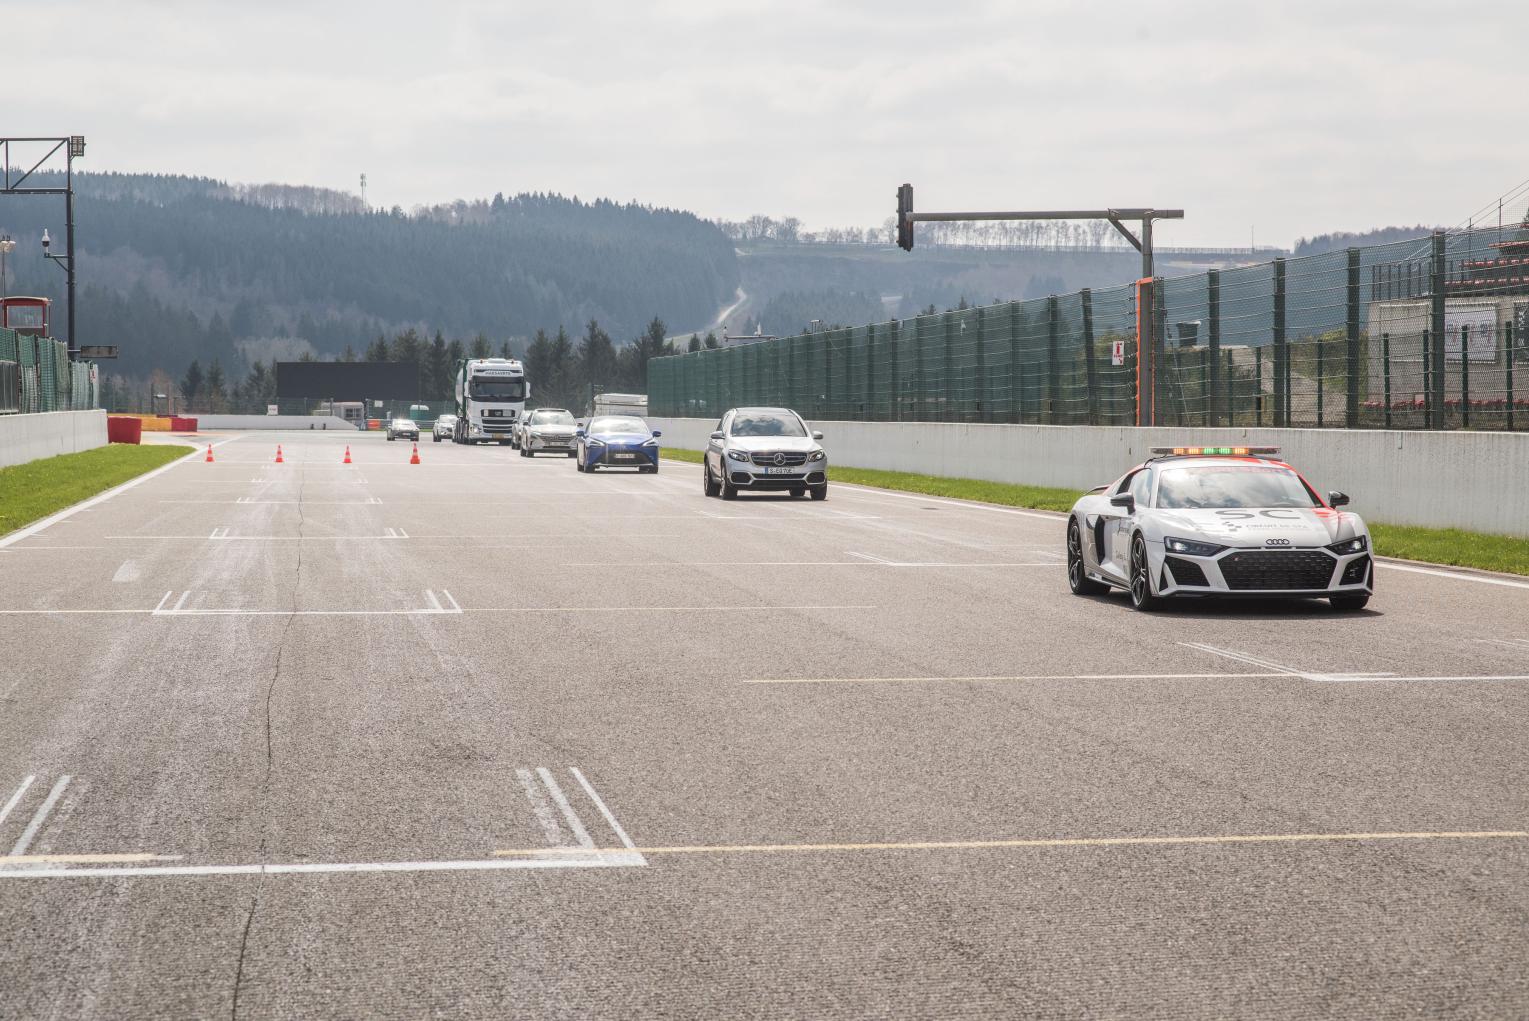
(414, 457)
(209, 453)
(347, 456)
(278, 454)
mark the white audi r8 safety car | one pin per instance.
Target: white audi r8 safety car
(1217, 521)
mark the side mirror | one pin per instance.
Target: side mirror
(716, 436)
(657, 433)
(578, 432)
(1337, 499)
(817, 435)
(1125, 500)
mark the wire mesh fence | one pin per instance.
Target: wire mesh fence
(1420, 334)
(36, 375)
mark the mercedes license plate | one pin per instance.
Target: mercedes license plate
(780, 471)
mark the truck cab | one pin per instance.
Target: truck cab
(490, 399)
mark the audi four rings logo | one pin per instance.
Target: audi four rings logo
(780, 458)
(1276, 542)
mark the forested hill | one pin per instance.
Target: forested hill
(173, 268)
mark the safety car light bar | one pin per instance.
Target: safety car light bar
(1199, 451)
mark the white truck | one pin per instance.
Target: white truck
(621, 404)
(491, 397)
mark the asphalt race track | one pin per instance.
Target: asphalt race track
(486, 737)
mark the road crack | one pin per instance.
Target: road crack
(270, 752)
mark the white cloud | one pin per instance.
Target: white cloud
(1300, 117)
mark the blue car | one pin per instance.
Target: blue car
(616, 441)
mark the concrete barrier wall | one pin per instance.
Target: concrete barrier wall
(1475, 481)
(329, 422)
(27, 437)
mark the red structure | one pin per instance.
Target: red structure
(28, 316)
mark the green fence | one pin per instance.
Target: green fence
(36, 375)
(1426, 333)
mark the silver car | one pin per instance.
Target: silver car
(444, 427)
(405, 427)
(547, 431)
(765, 450)
(1218, 521)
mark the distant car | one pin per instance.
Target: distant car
(548, 431)
(765, 449)
(1217, 521)
(617, 441)
(444, 427)
(406, 427)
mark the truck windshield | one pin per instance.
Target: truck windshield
(498, 389)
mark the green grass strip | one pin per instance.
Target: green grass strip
(38, 488)
(1450, 546)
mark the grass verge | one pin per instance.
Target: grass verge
(1450, 546)
(38, 488)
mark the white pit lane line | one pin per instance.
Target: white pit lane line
(1346, 678)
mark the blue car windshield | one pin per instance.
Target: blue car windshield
(608, 424)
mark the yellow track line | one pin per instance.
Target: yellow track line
(964, 845)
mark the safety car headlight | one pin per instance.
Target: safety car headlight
(816, 455)
(1358, 544)
(738, 455)
(1193, 548)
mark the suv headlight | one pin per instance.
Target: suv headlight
(650, 442)
(1358, 544)
(738, 455)
(1193, 548)
(816, 455)
(594, 441)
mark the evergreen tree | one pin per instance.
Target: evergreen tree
(597, 358)
(539, 366)
(695, 342)
(349, 354)
(216, 389)
(711, 341)
(438, 371)
(191, 383)
(561, 371)
(377, 350)
(480, 348)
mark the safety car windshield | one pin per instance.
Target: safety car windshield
(1217, 486)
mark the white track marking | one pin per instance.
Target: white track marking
(579, 832)
(16, 798)
(435, 604)
(40, 816)
(541, 808)
(581, 861)
(180, 602)
(1480, 579)
(159, 612)
(872, 559)
(1003, 679)
(162, 599)
(452, 600)
(1520, 644)
(52, 519)
(610, 817)
(128, 572)
(1243, 657)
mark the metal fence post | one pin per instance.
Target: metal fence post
(1053, 370)
(826, 343)
(1351, 353)
(981, 381)
(1385, 368)
(1465, 376)
(1436, 285)
(1281, 352)
(1321, 378)
(1159, 349)
(1258, 386)
(870, 372)
(1090, 370)
(894, 382)
(1214, 401)
(1509, 350)
(1427, 380)
(948, 373)
(1016, 372)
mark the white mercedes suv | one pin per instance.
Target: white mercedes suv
(765, 449)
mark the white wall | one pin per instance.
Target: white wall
(27, 437)
(330, 422)
(1470, 480)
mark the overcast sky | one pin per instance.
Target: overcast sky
(1294, 118)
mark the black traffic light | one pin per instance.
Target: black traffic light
(904, 211)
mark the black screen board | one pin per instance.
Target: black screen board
(348, 381)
